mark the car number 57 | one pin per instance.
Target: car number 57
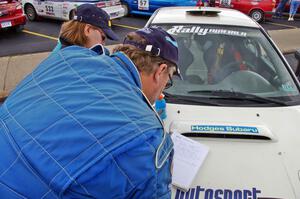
(143, 4)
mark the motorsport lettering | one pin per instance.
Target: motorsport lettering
(202, 193)
(203, 31)
(223, 128)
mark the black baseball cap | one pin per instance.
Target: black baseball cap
(159, 43)
(91, 14)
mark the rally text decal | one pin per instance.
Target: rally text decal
(203, 31)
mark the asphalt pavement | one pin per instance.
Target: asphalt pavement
(15, 66)
(41, 35)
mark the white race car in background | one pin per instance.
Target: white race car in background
(64, 9)
(240, 98)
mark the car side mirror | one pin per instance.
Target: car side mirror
(297, 56)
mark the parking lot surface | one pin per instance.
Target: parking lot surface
(41, 35)
(21, 52)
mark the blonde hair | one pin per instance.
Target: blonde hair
(143, 60)
(73, 32)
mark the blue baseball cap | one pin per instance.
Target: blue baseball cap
(158, 43)
(91, 14)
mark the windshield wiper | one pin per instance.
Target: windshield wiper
(189, 99)
(228, 94)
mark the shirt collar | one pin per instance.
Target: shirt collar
(99, 49)
(126, 63)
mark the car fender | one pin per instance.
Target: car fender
(255, 8)
(27, 2)
(67, 8)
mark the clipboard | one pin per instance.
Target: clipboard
(189, 156)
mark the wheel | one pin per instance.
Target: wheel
(30, 12)
(126, 9)
(72, 14)
(19, 28)
(257, 15)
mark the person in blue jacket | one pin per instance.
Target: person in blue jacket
(83, 126)
(84, 29)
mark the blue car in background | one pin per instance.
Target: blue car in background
(147, 7)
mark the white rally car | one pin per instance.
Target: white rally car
(240, 98)
(64, 9)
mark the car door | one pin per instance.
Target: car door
(53, 8)
(39, 6)
(243, 5)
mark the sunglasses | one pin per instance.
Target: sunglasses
(169, 83)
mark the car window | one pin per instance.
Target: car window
(231, 59)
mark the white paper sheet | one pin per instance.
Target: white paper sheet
(189, 155)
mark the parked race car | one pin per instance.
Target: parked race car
(240, 98)
(147, 7)
(256, 9)
(11, 15)
(64, 9)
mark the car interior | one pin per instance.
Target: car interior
(231, 62)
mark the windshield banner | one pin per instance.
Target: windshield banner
(203, 31)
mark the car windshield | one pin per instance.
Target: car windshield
(231, 65)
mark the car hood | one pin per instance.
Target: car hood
(253, 152)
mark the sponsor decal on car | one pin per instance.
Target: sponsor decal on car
(203, 31)
(223, 128)
(65, 5)
(143, 4)
(288, 87)
(49, 9)
(200, 192)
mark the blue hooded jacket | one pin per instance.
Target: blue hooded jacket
(79, 126)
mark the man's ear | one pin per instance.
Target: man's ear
(159, 71)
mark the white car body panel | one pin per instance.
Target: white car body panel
(173, 15)
(269, 166)
(61, 9)
(242, 167)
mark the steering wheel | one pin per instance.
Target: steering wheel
(229, 68)
(247, 81)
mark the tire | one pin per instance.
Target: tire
(257, 15)
(30, 12)
(19, 28)
(72, 14)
